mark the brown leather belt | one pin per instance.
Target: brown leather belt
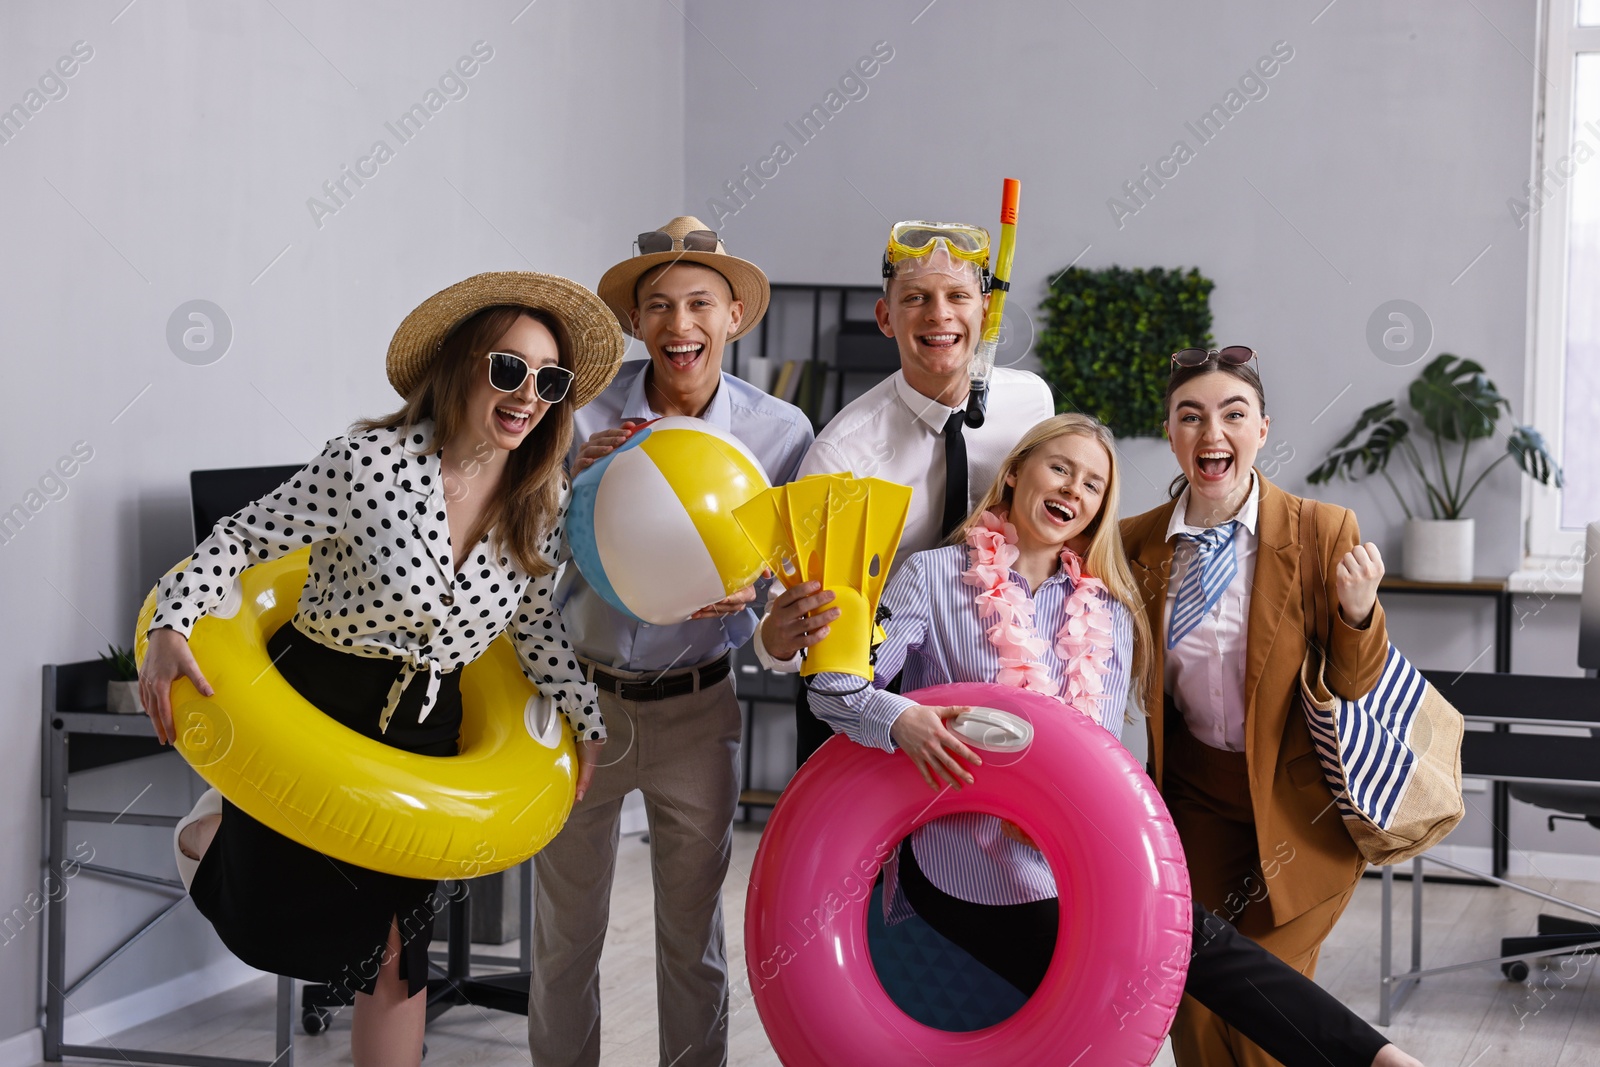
(669, 684)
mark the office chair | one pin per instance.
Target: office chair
(1555, 932)
(1578, 803)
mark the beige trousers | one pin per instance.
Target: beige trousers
(683, 754)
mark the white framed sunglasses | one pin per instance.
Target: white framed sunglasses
(507, 372)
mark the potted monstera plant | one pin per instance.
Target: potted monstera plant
(1453, 405)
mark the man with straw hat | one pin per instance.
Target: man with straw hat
(674, 722)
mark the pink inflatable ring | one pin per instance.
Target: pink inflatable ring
(1123, 949)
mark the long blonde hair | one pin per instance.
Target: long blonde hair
(1106, 559)
(524, 505)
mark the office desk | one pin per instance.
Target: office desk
(1499, 591)
(1503, 700)
(79, 734)
(1495, 589)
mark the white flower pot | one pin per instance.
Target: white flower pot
(1438, 550)
(123, 698)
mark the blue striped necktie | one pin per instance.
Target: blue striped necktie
(1210, 572)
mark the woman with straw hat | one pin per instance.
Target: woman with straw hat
(432, 530)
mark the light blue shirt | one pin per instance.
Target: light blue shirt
(777, 432)
(934, 632)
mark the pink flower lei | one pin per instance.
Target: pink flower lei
(1084, 641)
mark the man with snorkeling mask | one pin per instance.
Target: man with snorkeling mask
(913, 427)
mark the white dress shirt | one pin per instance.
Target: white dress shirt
(895, 433)
(382, 582)
(1204, 671)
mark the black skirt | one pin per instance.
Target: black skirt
(287, 909)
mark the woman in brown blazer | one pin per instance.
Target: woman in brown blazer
(1219, 573)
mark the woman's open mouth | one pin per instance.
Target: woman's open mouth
(1214, 464)
(511, 420)
(1058, 513)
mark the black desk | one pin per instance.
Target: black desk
(1495, 589)
(1498, 590)
(1503, 700)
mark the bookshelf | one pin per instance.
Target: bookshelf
(818, 347)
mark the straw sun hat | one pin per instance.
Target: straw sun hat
(592, 335)
(746, 279)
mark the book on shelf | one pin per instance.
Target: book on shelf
(757, 370)
(786, 380)
(809, 395)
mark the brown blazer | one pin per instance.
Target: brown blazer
(1292, 803)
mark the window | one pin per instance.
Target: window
(1563, 212)
(1580, 502)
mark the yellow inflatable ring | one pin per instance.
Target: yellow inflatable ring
(314, 780)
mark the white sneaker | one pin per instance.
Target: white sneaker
(210, 803)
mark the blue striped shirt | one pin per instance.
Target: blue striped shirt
(934, 634)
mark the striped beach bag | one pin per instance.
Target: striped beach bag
(1391, 758)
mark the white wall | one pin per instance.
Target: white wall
(178, 166)
(1381, 158)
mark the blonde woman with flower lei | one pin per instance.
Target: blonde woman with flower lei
(1033, 591)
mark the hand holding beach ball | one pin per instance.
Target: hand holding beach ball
(651, 524)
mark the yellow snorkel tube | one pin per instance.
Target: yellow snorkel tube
(982, 365)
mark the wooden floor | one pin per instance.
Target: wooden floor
(1471, 1018)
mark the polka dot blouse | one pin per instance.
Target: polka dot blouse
(381, 581)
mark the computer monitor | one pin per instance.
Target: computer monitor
(1589, 610)
(216, 494)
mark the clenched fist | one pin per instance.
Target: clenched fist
(1356, 582)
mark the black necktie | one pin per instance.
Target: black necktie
(955, 473)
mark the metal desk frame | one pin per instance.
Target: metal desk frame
(1395, 989)
(75, 685)
(1496, 699)
(59, 726)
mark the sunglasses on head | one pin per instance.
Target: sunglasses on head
(661, 241)
(1232, 356)
(507, 372)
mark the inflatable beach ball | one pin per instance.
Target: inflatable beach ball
(651, 525)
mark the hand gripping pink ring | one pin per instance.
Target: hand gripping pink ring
(1123, 948)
